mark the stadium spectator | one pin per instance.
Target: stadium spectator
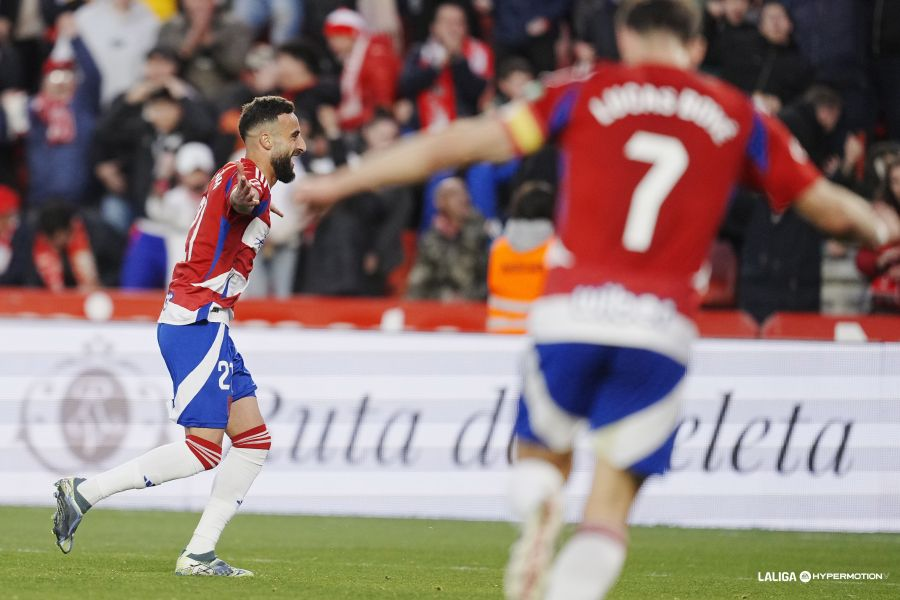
(258, 78)
(137, 140)
(282, 20)
(885, 59)
(777, 72)
(369, 67)
(393, 208)
(781, 268)
(57, 255)
(882, 266)
(10, 204)
(451, 263)
(529, 29)
(515, 81)
(730, 37)
(448, 74)
(298, 65)
(518, 261)
(593, 24)
(22, 28)
(62, 119)
(211, 43)
(118, 34)
(13, 110)
(831, 35)
(382, 16)
(157, 242)
(333, 250)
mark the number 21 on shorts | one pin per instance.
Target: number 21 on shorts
(668, 161)
(226, 369)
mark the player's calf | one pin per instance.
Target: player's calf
(235, 476)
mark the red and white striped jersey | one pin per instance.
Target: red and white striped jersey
(219, 251)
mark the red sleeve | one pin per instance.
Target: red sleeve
(531, 124)
(775, 162)
(867, 262)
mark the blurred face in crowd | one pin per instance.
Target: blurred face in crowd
(163, 113)
(59, 84)
(195, 181)
(293, 74)
(775, 24)
(9, 222)
(736, 11)
(449, 26)
(159, 69)
(452, 200)
(828, 116)
(341, 45)
(515, 85)
(380, 134)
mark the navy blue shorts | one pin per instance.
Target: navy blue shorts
(628, 397)
(207, 372)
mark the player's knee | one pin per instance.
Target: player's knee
(208, 453)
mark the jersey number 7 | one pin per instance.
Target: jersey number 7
(668, 161)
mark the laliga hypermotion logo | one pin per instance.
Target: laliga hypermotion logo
(92, 410)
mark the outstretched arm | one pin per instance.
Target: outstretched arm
(839, 212)
(414, 159)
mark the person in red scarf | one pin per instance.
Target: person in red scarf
(448, 75)
(62, 118)
(882, 265)
(369, 67)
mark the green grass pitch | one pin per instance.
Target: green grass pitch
(131, 555)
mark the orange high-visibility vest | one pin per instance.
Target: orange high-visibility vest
(515, 280)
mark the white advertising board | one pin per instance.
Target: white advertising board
(790, 435)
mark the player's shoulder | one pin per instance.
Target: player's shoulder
(221, 177)
(568, 76)
(723, 92)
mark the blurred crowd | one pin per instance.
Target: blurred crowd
(115, 113)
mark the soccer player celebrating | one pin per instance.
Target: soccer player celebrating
(651, 151)
(214, 393)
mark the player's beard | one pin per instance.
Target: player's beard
(284, 168)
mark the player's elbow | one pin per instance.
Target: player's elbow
(827, 207)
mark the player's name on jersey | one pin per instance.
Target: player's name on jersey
(630, 99)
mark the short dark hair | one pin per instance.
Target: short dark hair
(261, 110)
(533, 200)
(514, 64)
(55, 215)
(679, 17)
(822, 95)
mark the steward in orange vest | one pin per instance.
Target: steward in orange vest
(517, 266)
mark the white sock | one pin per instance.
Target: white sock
(588, 565)
(235, 476)
(532, 481)
(172, 461)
